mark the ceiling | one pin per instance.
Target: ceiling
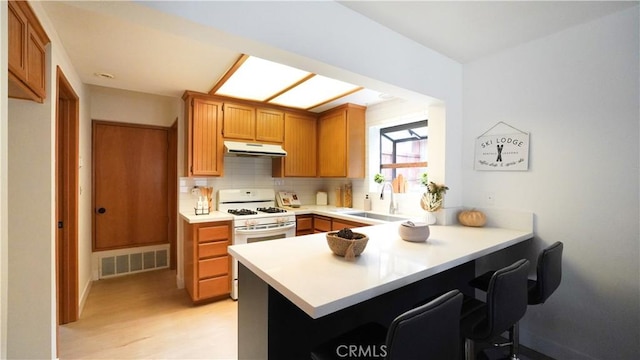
(150, 60)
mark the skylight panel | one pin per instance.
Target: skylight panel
(313, 92)
(258, 79)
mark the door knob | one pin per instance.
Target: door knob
(102, 210)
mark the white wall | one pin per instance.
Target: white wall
(133, 107)
(353, 48)
(577, 93)
(31, 320)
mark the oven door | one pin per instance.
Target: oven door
(247, 236)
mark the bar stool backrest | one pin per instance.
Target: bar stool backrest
(507, 297)
(431, 331)
(549, 274)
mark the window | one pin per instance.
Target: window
(403, 150)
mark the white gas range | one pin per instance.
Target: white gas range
(255, 218)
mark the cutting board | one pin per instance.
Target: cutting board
(399, 184)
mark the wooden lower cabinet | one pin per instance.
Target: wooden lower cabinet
(321, 223)
(339, 224)
(304, 225)
(207, 264)
(326, 223)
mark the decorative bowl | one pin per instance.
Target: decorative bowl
(414, 231)
(348, 248)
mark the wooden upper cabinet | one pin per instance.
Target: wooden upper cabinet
(27, 52)
(239, 122)
(269, 125)
(247, 123)
(300, 145)
(341, 142)
(204, 152)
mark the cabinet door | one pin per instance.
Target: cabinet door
(17, 22)
(269, 125)
(304, 224)
(300, 144)
(332, 145)
(206, 138)
(239, 122)
(35, 63)
(322, 223)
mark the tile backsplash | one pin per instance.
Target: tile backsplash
(255, 172)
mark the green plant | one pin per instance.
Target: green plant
(378, 178)
(424, 179)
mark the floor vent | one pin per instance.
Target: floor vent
(133, 262)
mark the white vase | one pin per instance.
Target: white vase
(430, 218)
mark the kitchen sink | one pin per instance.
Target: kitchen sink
(375, 216)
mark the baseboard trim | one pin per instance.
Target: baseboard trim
(83, 297)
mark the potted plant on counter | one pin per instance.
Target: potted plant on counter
(378, 178)
(432, 200)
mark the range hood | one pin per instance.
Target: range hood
(253, 149)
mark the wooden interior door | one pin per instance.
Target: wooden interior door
(67, 175)
(129, 185)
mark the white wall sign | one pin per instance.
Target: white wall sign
(502, 151)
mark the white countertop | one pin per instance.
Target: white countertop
(326, 210)
(305, 270)
(190, 216)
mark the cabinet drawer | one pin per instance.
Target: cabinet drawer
(304, 223)
(322, 224)
(214, 287)
(213, 267)
(217, 248)
(212, 233)
(341, 224)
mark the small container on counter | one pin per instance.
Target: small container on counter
(202, 206)
(339, 197)
(367, 203)
(348, 196)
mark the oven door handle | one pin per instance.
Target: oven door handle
(265, 231)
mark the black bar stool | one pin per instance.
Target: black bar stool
(505, 305)
(430, 331)
(548, 278)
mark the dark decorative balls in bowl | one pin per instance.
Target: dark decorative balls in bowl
(347, 243)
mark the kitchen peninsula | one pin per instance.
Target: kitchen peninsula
(295, 294)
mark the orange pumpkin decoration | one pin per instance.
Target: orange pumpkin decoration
(472, 218)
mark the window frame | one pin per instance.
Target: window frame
(414, 136)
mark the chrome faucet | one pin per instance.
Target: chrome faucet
(392, 207)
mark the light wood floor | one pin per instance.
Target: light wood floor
(144, 316)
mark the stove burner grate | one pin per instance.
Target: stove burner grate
(241, 212)
(271, 210)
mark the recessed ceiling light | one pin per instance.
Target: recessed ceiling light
(104, 75)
